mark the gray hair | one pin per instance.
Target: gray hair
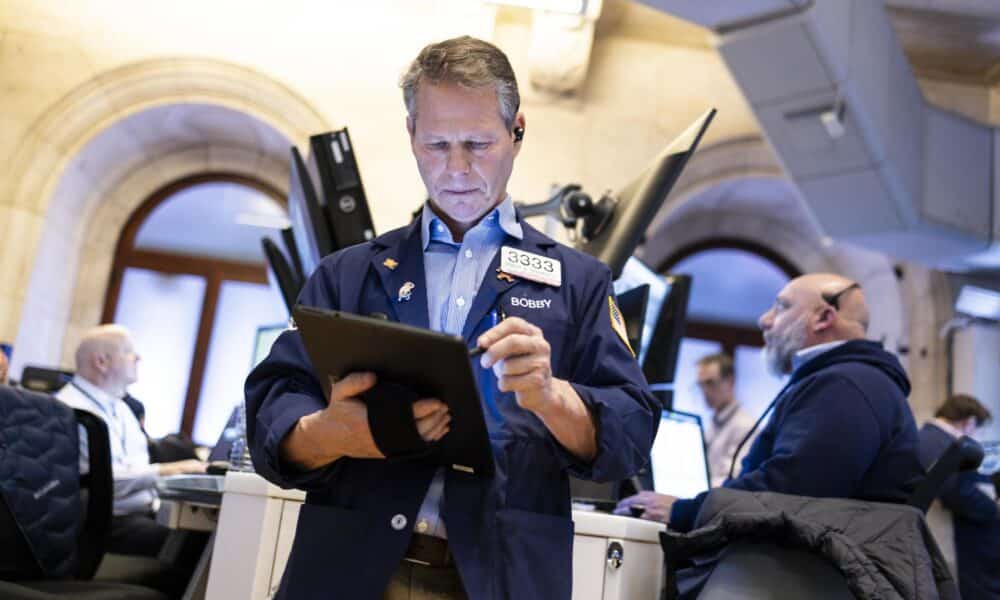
(468, 62)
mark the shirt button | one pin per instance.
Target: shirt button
(440, 228)
(422, 526)
(398, 522)
(468, 253)
(460, 301)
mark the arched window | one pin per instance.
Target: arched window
(190, 282)
(733, 283)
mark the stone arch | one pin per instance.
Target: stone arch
(71, 216)
(736, 190)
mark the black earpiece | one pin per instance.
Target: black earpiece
(518, 134)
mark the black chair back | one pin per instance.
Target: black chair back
(964, 454)
(44, 379)
(98, 487)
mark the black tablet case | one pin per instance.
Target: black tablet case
(431, 364)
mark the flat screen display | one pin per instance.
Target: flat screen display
(264, 340)
(678, 457)
(991, 458)
(634, 274)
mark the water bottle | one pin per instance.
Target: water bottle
(239, 453)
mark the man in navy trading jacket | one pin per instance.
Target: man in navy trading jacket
(969, 496)
(562, 391)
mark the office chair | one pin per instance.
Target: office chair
(44, 379)
(36, 562)
(964, 454)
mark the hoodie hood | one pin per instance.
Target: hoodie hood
(864, 351)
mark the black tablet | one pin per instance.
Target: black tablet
(431, 364)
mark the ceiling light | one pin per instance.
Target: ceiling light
(978, 302)
(575, 7)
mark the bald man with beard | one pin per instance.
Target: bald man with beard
(841, 426)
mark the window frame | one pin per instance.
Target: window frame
(213, 270)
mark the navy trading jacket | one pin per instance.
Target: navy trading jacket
(976, 519)
(512, 533)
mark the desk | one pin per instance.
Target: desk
(190, 503)
(258, 520)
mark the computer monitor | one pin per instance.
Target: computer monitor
(638, 202)
(222, 447)
(312, 235)
(634, 275)
(659, 362)
(632, 305)
(288, 281)
(294, 260)
(263, 340)
(678, 462)
(342, 194)
(991, 458)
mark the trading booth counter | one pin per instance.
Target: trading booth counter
(614, 558)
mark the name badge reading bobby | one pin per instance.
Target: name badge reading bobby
(528, 265)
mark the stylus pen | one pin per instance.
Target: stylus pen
(496, 315)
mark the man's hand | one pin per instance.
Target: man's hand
(341, 429)
(180, 467)
(432, 418)
(521, 359)
(654, 507)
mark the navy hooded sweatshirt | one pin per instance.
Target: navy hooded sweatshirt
(841, 428)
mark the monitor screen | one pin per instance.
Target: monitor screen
(229, 434)
(264, 340)
(678, 460)
(311, 235)
(635, 274)
(639, 201)
(991, 458)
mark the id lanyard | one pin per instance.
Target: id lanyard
(107, 417)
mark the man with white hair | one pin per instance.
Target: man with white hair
(106, 364)
(841, 426)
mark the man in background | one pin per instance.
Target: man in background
(841, 426)
(969, 496)
(730, 423)
(106, 364)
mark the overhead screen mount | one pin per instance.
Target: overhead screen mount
(614, 226)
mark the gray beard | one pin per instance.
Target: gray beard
(778, 353)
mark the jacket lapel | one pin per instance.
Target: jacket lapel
(398, 264)
(492, 287)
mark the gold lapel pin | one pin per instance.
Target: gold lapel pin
(390, 263)
(504, 276)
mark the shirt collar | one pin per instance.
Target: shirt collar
(721, 417)
(432, 228)
(947, 427)
(106, 400)
(806, 354)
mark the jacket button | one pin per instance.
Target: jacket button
(398, 522)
